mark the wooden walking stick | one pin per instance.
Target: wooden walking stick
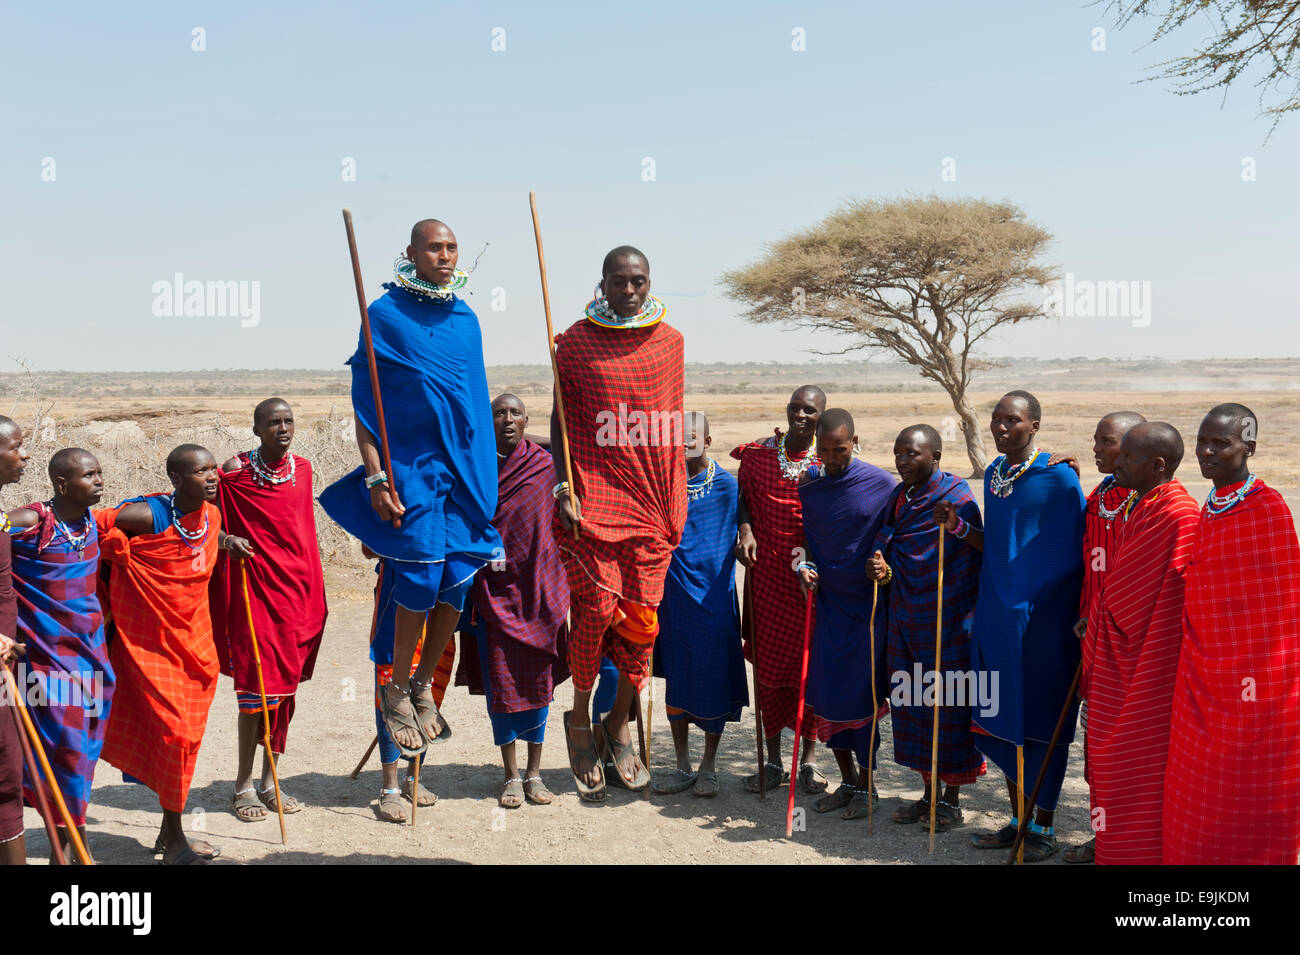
(361, 765)
(382, 436)
(938, 691)
(555, 368)
(1018, 849)
(798, 718)
(42, 803)
(266, 713)
(25, 723)
(747, 625)
(415, 786)
(1019, 854)
(650, 710)
(875, 705)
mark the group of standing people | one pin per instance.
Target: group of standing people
(607, 551)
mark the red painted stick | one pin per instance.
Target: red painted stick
(798, 718)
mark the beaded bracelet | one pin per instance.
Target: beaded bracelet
(374, 480)
(889, 575)
(805, 565)
(5, 524)
(559, 489)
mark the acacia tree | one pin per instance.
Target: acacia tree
(924, 278)
(1264, 32)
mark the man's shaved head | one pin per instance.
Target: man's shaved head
(810, 393)
(926, 433)
(424, 226)
(265, 407)
(697, 422)
(1035, 409)
(507, 398)
(70, 461)
(833, 419)
(1122, 421)
(1164, 441)
(1243, 418)
(183, 456)
(9, 426)
(622, 252)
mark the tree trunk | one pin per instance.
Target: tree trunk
(972, 431)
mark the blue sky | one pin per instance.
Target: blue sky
(225, 165)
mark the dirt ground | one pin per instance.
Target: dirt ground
(334, 724)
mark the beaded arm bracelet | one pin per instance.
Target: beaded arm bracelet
(379, 477)
(961, 530)
(559, 489)
(805, 565)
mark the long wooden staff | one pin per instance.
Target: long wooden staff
(748, 625)
(266, 713)
(650, 710)
(1018, 848)
(42, 803)
(875, 704)
(938, 691)
(25, 721)
(798, 719)
(382, 436)
(555, 368)
(1019, 853)
(362, 765)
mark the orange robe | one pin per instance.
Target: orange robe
(163, 652)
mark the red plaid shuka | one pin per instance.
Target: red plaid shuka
(162, 654)
(1234, 753)
(778, 611)
(623, 392)
(1130, 660)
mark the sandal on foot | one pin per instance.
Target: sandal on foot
(426, 712)
(246, 806)
(1039, 846)
(618, 754)
(401, 716)
(706, 784)
(512, 794)
(1004, 838)
(391, 807)
(776, 775)
(594, 793)
(812, 780)
(911, 813)
(267, 796)
(427, 796)
(857, 807)
(679, 780)
(946, 816)
(202, 849)
(535, 792)
(836, 800)
(188, 857)
(1085, 854)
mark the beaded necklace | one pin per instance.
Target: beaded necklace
(696, 491)
(76, 543)
(262, 473)
(1214, 504)
(793, 470)
(1001, 480)
(1108, 514)
(404, 277)
(599, 311)
(190, 537)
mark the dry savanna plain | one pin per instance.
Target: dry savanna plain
(131, 421)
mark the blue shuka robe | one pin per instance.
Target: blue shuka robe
(1030, 580)
(842, 514)
(429, 357)
(698, 650)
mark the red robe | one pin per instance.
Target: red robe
(162, 654)
(1130, 659)
(1234, 754)
(286, 587)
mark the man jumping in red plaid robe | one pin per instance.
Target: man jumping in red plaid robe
(1233, 795)
(621, 375)
(1130, 656)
